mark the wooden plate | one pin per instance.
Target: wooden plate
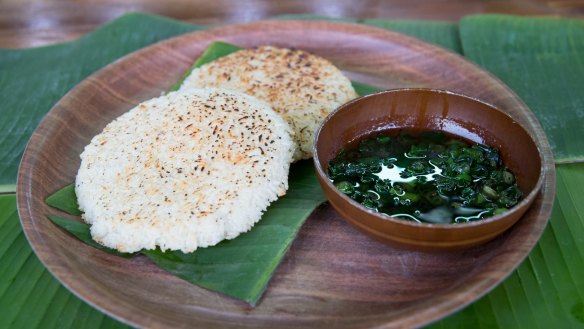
(333, 276)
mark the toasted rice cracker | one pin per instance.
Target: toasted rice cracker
(302, 87)
(184, 171)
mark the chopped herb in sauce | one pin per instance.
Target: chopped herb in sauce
(425, 176)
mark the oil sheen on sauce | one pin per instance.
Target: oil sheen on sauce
(425, 176)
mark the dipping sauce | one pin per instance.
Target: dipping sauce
(425, 176)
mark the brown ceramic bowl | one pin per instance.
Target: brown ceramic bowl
(436, 110)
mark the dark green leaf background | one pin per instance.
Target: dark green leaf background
(547, 290)
(543, 63)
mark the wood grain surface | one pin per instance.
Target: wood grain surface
(333, 276)
(27, 23)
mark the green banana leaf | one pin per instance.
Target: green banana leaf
(240, 268)
(243, 266)
(542, 60)
(29, 295)
(65, 200)
(540, 293)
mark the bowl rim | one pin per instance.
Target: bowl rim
(525, 202)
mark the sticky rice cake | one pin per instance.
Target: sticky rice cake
(301, 87)
(184, 171)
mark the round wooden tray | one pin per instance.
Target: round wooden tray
(333, 276)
